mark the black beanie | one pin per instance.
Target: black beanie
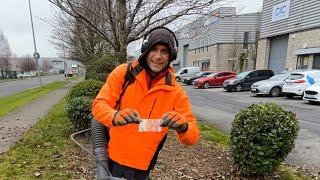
(158, 36)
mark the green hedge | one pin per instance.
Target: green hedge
(89, 88)
(261, 138)
(98, 69)
(79, 102)
(79, 111)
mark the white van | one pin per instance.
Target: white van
(187, 71)
(299, 81)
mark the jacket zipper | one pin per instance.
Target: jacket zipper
(154, 102)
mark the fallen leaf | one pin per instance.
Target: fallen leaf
(37, 174)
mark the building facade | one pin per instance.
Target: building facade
(290, 35)
(58, 65)
(216, 42)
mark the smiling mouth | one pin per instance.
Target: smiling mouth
(158, 64)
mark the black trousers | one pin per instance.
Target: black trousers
(128, 173)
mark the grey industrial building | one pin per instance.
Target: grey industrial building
(290, 35)
(215, 42)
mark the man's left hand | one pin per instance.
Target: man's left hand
(176, 121)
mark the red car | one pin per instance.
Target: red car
(215, 79)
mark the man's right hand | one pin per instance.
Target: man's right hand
(126, 116)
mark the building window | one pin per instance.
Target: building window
(316, 62)
(207, 48)
(196, 63)
(199, 50)
(245, 40)
(302, 62)
(205, 65)
(202, 49)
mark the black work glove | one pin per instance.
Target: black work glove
(126, 116)
(176, 121)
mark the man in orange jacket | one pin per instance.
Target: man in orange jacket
(154, 94)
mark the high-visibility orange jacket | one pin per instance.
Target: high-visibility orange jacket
(127, 146)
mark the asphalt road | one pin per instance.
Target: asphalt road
(13, 87)
(218, 107)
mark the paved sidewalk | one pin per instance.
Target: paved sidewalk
(14, 124)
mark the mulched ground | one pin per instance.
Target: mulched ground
(206, 160)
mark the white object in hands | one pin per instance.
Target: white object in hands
(150, 125)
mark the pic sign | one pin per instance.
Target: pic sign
(281, 11)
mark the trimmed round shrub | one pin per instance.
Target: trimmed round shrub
(79, 111)
(262, 136)
(99, 69)
(89, 88)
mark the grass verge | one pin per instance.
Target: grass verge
(42, 151)
(288, 173)
(76, 77)
(10, 103)
(211, 134)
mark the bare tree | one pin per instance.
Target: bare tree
(46, 66)
(5, 53)
(234, 52)
(27, 64)
(253, 49)
(124, 21)
(76, 41)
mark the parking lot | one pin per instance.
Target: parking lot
(219, 107)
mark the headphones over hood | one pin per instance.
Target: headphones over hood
(158, 35)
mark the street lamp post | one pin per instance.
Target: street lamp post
(36, 55)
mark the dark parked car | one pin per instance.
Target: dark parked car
(215, 79)
(188, 80)
(244, 80)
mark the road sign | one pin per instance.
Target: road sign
(36, 55)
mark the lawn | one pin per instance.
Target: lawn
(42, 151)
(10, 103)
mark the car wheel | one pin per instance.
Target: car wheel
(178, 79)
(238, 88)
(275, 92)
(206, 85)
(290, 96)
(301, 97)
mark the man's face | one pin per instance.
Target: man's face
(158, 57)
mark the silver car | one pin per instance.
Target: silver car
(272, 86)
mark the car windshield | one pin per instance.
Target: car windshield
(295, 76)
(243, 74)
(212, 75)
(279, 77)
(200, 74)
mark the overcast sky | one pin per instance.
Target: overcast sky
(15, 24)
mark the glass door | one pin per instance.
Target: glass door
(303, 62)
(316, 62)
